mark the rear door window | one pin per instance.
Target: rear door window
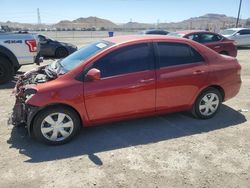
(171, 54)
(207, 37)
(244, 32)
(194, 37)
(134, 58)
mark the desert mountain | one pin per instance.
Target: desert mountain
(208, 21)
(88, 22)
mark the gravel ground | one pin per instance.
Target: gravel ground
(172, 150)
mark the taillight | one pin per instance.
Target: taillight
(32, 45)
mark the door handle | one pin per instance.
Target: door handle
(216, 47)
(198, 72)
(147, 80)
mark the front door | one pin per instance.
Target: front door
(127, 85)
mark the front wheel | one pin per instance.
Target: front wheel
(56, 125)
(207, 104)
(6, 70)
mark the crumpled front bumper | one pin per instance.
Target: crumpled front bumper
(19, 114)
(23, 114)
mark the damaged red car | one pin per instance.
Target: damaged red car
(122, 78)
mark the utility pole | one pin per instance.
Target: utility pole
(38, 17)
(237, 22)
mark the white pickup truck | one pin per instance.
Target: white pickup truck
(16, 49)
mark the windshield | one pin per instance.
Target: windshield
(228, 32)
(82, 55)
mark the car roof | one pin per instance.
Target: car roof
(153, 30)
(138, 38)
(185, 32)
(237, 29)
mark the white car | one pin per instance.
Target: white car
(240, 35)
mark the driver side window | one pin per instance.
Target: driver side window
(129, 59)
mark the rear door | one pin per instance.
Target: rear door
(127, 85)
(182, 73)
(243, 37)
(212, 41)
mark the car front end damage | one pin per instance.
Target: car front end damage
(24, 90)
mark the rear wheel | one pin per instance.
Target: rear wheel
(56, 125)
(207, 104)
(6, 70)
(61, 52)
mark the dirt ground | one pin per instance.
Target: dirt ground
(172, 150)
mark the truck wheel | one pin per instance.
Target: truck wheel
(6, 70)
(56, 125)
(17, 68)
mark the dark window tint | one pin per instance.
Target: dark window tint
(129, 59)
(157, 32)
(177, 54)
(206, 37)
(244, 32)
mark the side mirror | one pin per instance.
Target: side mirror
(93, 74)
(237, 34)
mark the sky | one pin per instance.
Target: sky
(118, 11)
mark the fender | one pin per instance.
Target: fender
(6, 52)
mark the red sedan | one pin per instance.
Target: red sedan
(215, 41)
(122, 78)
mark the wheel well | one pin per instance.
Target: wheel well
(61, 47)
(30, 126)
(220, 89)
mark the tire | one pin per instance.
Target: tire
(17, 68)
(48, 129)
(6, 70)
(207, 104)
(61, 52)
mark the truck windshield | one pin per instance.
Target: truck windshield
(83, 54)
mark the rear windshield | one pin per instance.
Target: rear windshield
(83, 54)
(175, 34)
